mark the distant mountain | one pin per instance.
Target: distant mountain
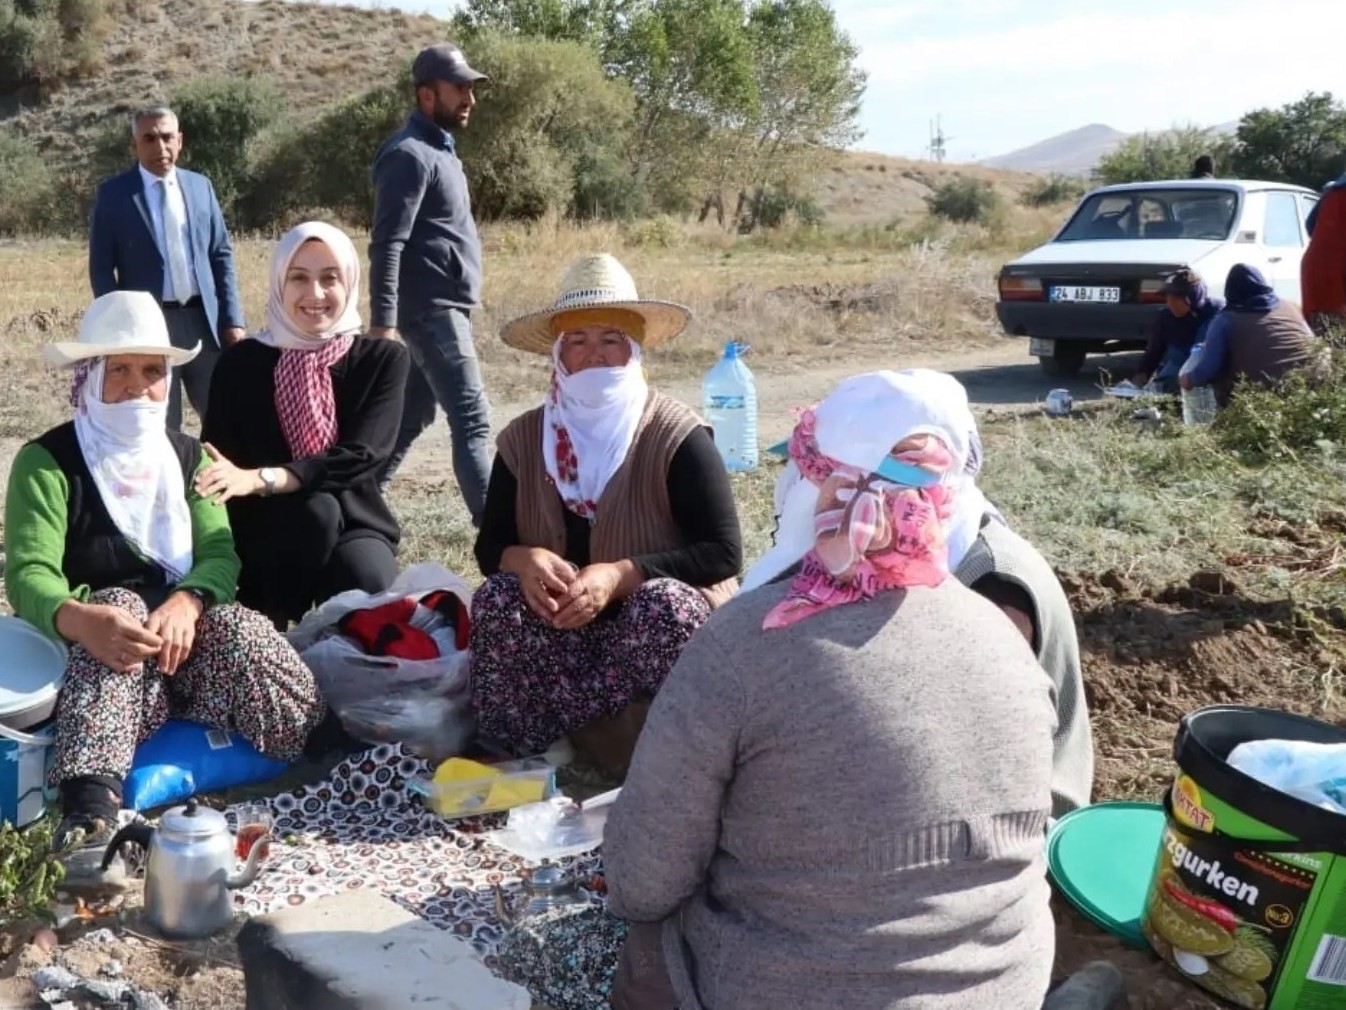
(1073, 153)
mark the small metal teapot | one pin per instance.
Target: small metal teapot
(188, 871)
(549, 887)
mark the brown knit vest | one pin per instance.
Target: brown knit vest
(634, 514)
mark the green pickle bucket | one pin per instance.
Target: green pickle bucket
(1248, 897)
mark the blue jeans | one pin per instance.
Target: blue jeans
(445, 370)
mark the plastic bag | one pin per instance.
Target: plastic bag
(184, 758)
(417, 581)
(1312, 772)
(423, 704)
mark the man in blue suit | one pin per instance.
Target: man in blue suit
(159, 228)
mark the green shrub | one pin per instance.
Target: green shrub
(965, 200)
(220, 118)
(1305, 414)
(48, 41)
(1053, 190)
(27, 186)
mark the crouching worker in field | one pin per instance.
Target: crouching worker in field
(1178, 327)
(841, 793)
(301, 419)
(110, 548)
(1257, 338)
(610, 531)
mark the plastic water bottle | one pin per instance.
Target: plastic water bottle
(1198, 403)
(729, 400)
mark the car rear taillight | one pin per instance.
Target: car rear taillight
(1150, 293)
(1021, 289)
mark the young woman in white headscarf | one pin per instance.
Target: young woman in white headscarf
(300, 420)
(110, 549)
(841, 793)
(610, 531)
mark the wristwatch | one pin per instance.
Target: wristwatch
(205, 597)
(268, 476)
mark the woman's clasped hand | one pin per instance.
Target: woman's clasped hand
(562, 594)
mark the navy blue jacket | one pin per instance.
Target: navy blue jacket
(124, 253)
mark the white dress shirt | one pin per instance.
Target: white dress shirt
(153, 199)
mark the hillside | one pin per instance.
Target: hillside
(320, 54)
(1074, 152)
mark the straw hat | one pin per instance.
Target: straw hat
(120, 322)
(598, 282)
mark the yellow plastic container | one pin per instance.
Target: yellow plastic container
(463, 788)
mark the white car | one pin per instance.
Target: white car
(1094, 288)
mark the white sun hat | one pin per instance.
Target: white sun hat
(120, 322)
(598, 282)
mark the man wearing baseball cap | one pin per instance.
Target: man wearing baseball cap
(425, 268)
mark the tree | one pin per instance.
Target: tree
(587, 22)
(1146, 157)
(220, 117)
(550, 116)
(1303, 142)
(45, 41)
(808, 92)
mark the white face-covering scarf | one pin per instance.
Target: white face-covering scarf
(856, 424)
(137, 473)
(588, 424)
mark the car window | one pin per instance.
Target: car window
(1153, 214)
(1282, 220)
(1306, 205)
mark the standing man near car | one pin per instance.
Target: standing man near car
(425, 268)
(159, 228)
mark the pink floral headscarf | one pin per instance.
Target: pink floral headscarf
(871, 533)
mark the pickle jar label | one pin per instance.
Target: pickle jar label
(1223, 916)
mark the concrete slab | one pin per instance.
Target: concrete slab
(360, 951)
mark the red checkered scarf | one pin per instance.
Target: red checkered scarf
(304, 399)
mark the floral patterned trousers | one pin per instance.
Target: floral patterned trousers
(533, 684)
(242, 675)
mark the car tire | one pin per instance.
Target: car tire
(1064, 362)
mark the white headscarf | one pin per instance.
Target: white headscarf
(588, 423)
(858, 424)
(137, 473)
(281, 330)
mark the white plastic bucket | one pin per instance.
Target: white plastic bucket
(25, 759)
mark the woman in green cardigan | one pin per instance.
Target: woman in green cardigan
(110, 548)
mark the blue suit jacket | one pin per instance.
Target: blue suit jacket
(124, 251)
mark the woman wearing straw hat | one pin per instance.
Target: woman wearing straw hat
(301, 419)
(110, 548)
(841, 793)
(610, 529)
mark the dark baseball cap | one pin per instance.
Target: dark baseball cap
(1181, 282)
(444, 62)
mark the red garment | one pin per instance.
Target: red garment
(1322, 273)
(387, 631)
(304, 399)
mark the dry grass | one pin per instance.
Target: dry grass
(795, 305)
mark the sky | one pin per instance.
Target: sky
(1003, 74)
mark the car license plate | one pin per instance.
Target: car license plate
(1103, 296)
(1040, 348)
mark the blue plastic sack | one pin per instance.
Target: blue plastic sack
(183, 759)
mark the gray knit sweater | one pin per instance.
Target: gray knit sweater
(848, 812)
(1001, 552)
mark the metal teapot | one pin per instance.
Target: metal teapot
(549, 887)
(188, 873)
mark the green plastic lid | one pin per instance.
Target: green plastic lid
(1102, 857)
